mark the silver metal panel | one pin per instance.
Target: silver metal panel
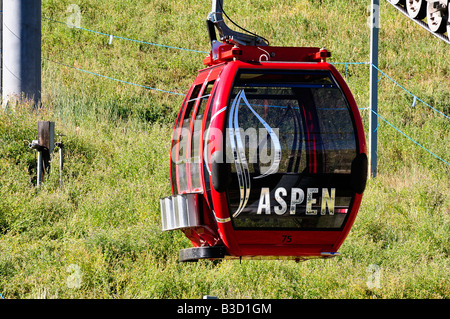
(180, 212)
(193, 210)
(166, 212)
(169, 211)
(171, 218)
(162, 208)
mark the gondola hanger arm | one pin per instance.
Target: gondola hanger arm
(215, 21)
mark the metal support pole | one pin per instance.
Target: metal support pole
(39, 169)
(46, 140)
(373, 123)
(61, 163)
(44, 146)
(21, 51)
(61, 158)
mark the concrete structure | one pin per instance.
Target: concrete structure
(21, 51)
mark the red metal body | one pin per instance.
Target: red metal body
(191, 176)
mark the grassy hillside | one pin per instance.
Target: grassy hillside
(99, 236)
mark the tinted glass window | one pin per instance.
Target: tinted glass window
(196, 135)
(181, 135)
(290, 143)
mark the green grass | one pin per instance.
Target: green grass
(103, 228)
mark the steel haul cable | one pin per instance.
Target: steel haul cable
(114, 79)
(410, 138)
(123, 38)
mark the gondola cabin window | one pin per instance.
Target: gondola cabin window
(180, 138)
(187, 147)
(290, 141)
(196, 143)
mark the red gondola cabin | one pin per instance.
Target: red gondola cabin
(268, 156)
